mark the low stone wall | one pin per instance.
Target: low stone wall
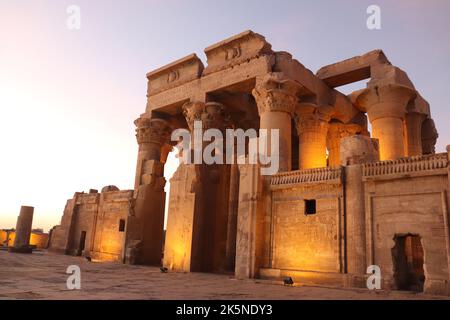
(37, 239)
(306, 176)
(406, 165)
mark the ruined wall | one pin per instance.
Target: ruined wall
(61, 234)
(3, 238)
(409, 196)
(37, 239)
(94, 217)
(110, 226)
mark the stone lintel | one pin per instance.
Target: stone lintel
(351, 70)
(163, 101)
(174, 74)
(235, 50)
(314, 89)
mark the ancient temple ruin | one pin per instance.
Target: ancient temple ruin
(345, 197)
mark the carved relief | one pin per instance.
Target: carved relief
(211, 114)
(306, 176)
(405, 165)
(232, 53)
(173, 76)
(275, 92)
(152, 131)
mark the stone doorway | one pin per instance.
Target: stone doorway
(82, 243)
(408, 260)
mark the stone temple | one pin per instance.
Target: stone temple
(345, 197)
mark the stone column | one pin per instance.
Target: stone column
(250, 228)
(23, 231)
(413, 130)
(151, 135)
(355, 151)
(312, 129)
(336, 132)
(276, 98)
(204, 221)
(386, 107)
(233, 203)
(145, 226)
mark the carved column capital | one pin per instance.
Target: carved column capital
(310, 117)
(193, 111)
(211, 114)
(385, 101)
(155, 131)
(275, 92)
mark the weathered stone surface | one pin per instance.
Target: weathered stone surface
(235, 50)
(23, 231)
(352, 70)
(174, 74)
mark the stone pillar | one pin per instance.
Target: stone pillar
(151, 135)
(413, 130)
(233, 202)
(183, 203)
(386, 107)
(250, 229)
(312, 129)
(205, 218)
(276, 98)
(23, 231)
(337, 131)
(145, 226)
(354, 151)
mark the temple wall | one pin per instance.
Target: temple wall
(306, 242)
(110, 226)
(409, 197)
(96, 217)
(85, 212)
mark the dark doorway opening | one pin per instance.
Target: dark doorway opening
(82, 243)
(407, 256)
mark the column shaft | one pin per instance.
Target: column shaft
(413, 127)
(312, 143)
(389, 132)
(280, 121)
(386, 107)
(23, 230)
(276, 98)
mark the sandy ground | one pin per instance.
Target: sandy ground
(42, 275)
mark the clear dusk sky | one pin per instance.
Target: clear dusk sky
(68, 98)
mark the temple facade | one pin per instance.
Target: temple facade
(359, 182)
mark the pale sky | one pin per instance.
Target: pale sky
(68, 98)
